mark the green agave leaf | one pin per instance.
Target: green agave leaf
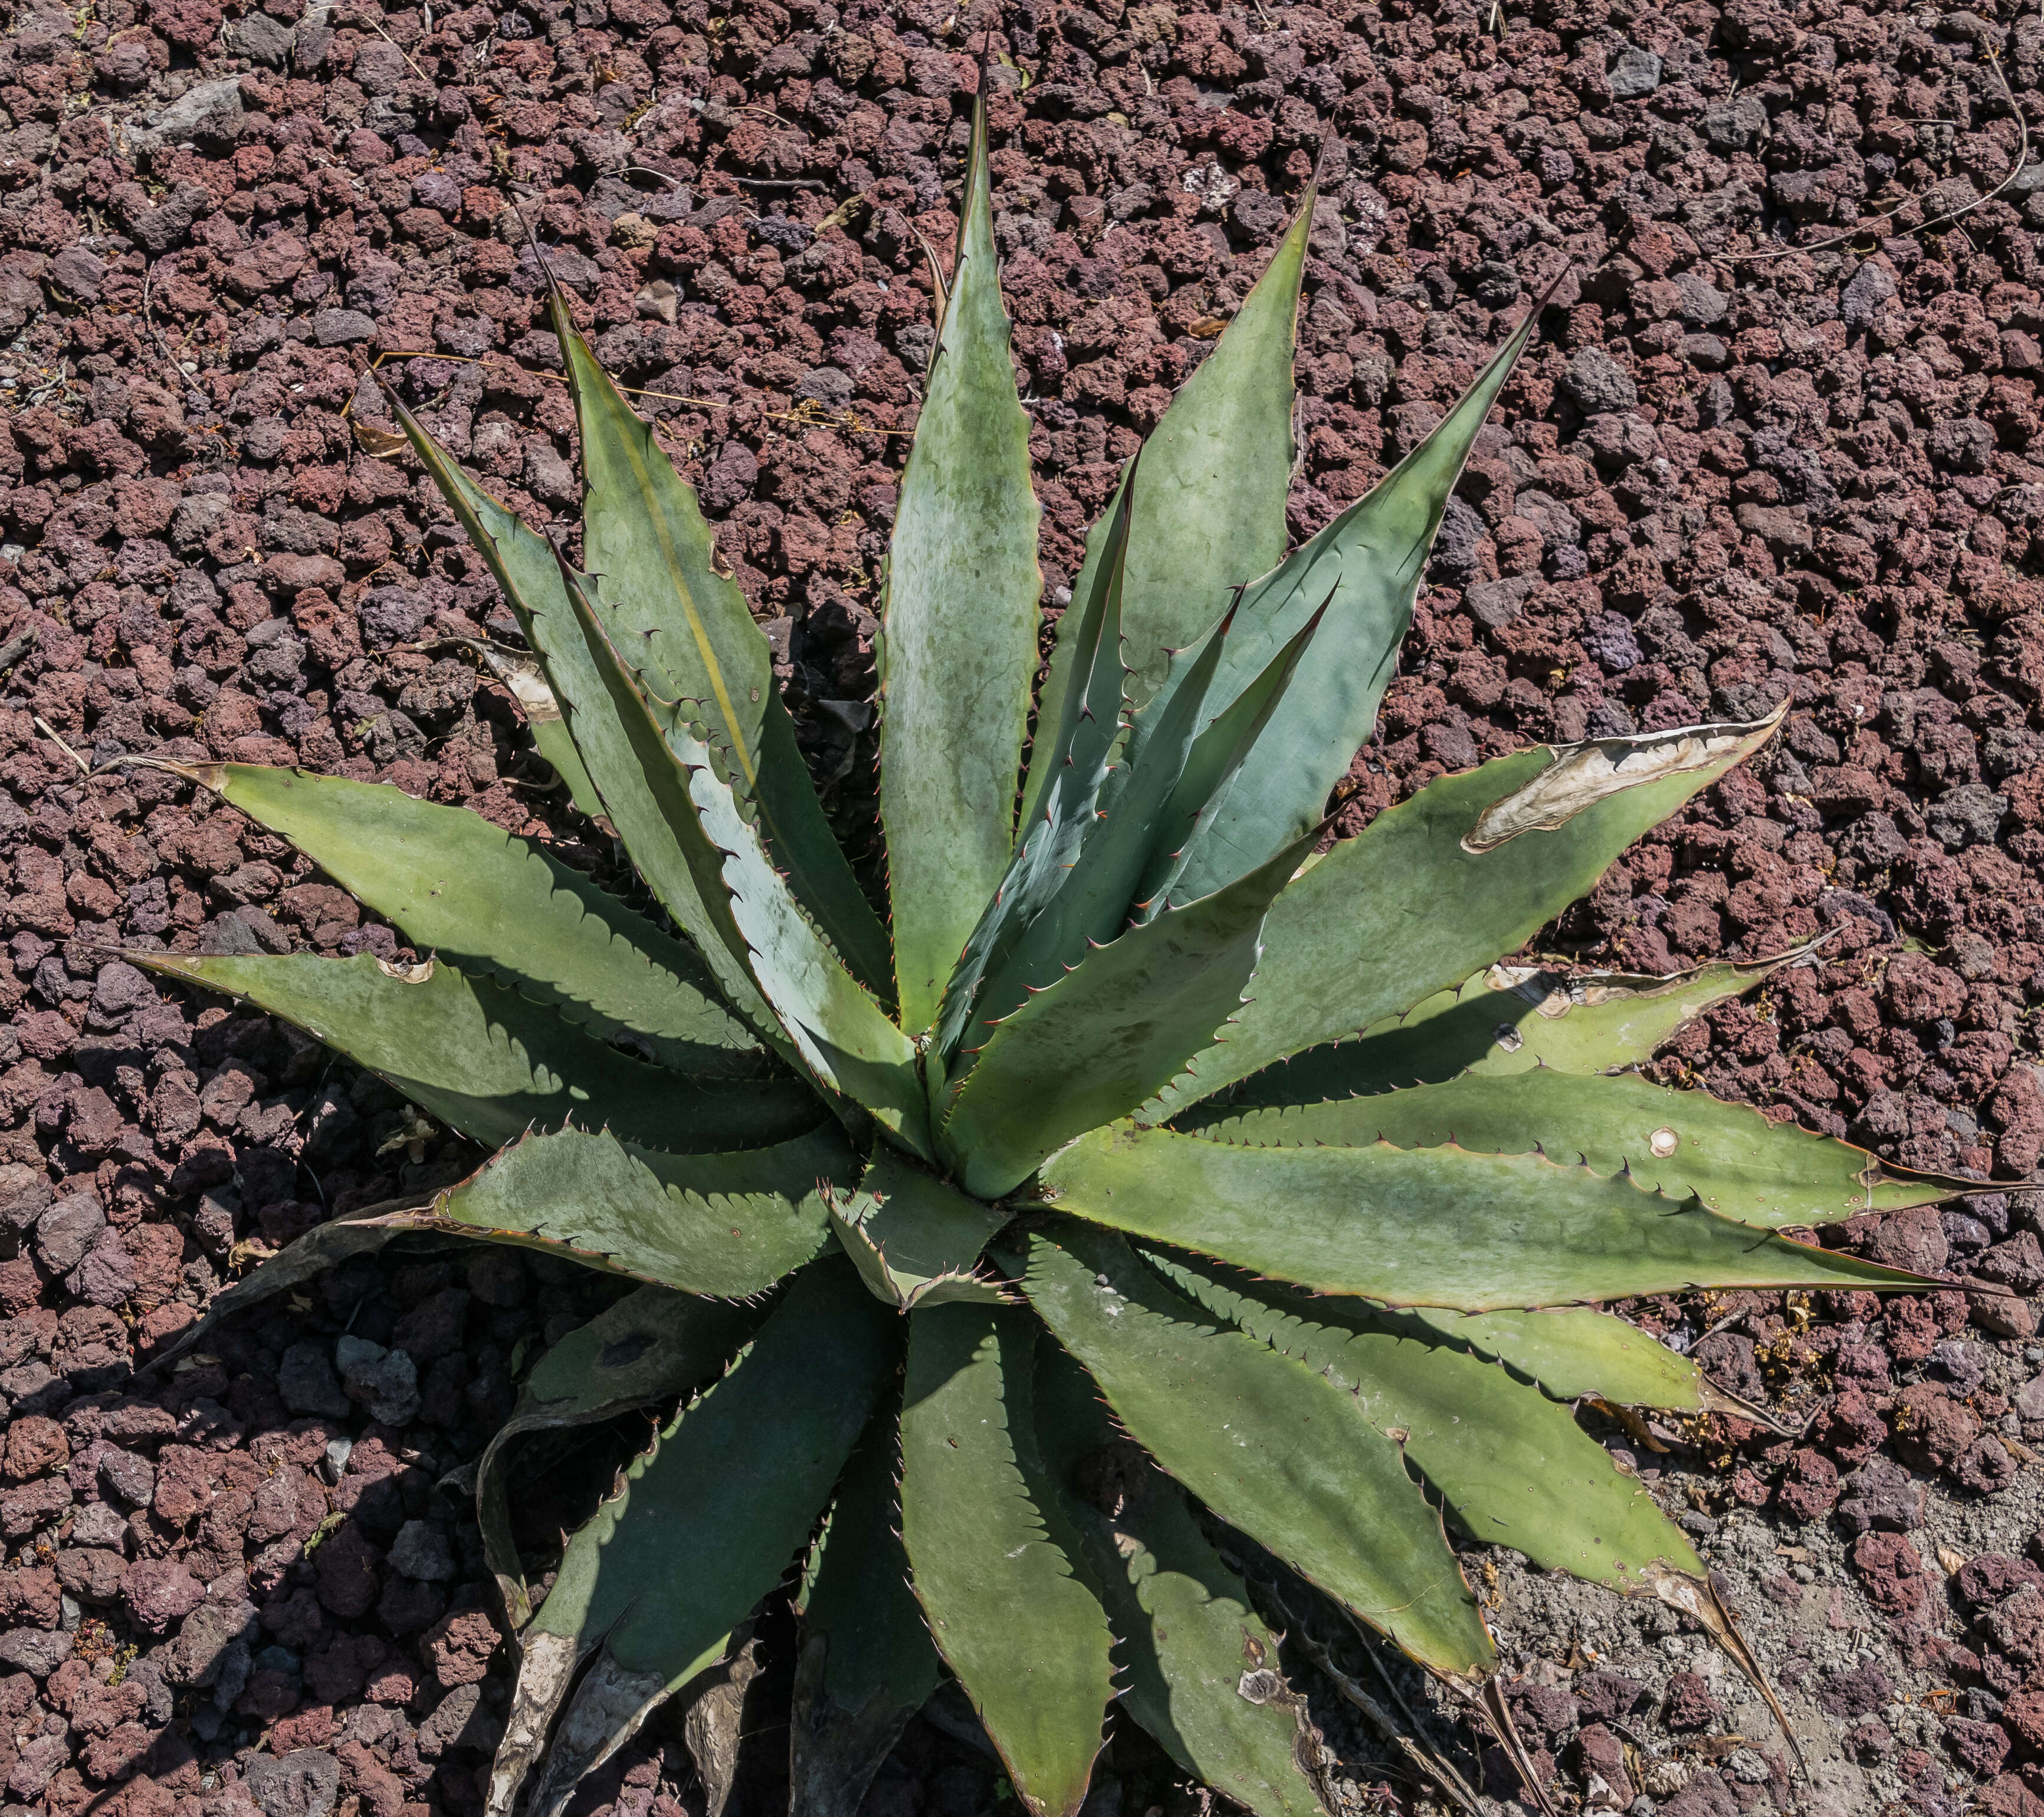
(488, 1061)
(1181, 869)
(842, 1034)
(1008, 1609)
(1363, 571)
(1212, 515)
(1131, 865)
(1361, 936)
(800, 841)
(523, 567)
(654, 558)
(1269, 1445)
(913, 1240)
(959, 624)
(645, 539)
(526, 681)
(653, 1345)
(1678, 1143)
(553, 740)
(1083, 740)
(1605, 1021)
(744, 1474)
(1131, 1016)
(533, 575)
(362, 1232)
(1092, 905)
(866, 1664)
(485, 899)
(1202, 1667)
(1437, 1227)
(1573, 1352)
(726, 1225)
(1513, 1464)
(1510, 1018)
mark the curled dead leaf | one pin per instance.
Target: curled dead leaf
(1664, 1778)
(414, 1134)
(379, 443)
(1583, 775)
(250, 1253)
(529, 687)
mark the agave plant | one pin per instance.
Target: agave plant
(1152, 1126)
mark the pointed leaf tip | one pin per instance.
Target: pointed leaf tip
(1218, 463)
(959, 621)
(1344, 951)
(1365, 567)
(1476, 1232)
(1581, 775)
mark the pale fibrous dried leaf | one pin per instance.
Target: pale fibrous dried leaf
(376, 441)
(527, 681)
(1582, 776)
(543, 1676)
(714, 1727)
(1701, 1601)
(1554, 994)
(610, 1705)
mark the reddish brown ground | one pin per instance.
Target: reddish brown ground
(1719, 479)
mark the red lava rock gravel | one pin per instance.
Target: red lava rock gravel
(251, 1582)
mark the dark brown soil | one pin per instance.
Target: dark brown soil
(1725, 473)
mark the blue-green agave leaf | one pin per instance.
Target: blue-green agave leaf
(1008, 1606)
(958, 624)
(1211, 516)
